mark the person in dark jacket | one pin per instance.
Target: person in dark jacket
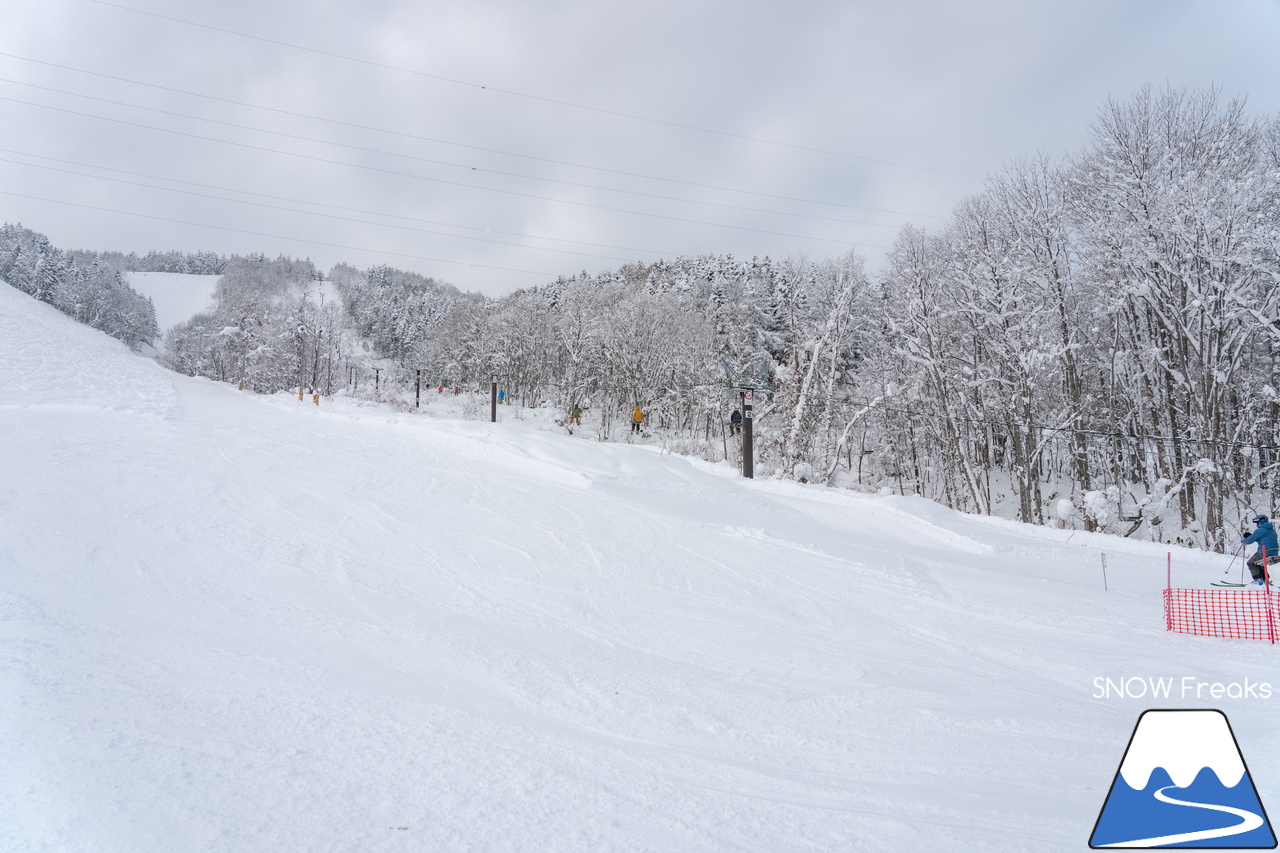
(1265, 538)
(735, 422)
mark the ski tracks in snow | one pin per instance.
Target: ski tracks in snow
(59, 366)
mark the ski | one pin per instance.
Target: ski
(1232, 585)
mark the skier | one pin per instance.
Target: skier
(1265, 537)
(735, 422)
(637, 418)
(575, 415)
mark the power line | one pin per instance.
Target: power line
(434, 140)
(313, 213)
(444, 162)
(276, 236)
(470, 85)
(433, 180)
(320, 204)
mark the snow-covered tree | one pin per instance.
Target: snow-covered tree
(95, 294)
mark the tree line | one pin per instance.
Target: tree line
(187, 263)
(1093, 339)
(93, 292)
(1103, 330)
(271, 329)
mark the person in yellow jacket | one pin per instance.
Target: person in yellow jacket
(637, 418)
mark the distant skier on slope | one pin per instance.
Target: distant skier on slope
(735, 422)
(1265, 538)
(637, 419)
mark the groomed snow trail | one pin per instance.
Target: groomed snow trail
(238, 623)
(177, 297)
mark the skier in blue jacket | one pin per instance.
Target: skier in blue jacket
(1265, 537)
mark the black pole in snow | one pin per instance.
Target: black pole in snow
(417, 389)
(748, 463)
(493, 398)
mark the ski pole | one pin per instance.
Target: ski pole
(1239, 552)
(1234, 556)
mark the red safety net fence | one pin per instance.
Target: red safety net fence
(1245, 614)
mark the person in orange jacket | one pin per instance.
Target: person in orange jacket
(637, 418)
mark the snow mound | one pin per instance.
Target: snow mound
(49, 361)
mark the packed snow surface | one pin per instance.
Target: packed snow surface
(241, 623)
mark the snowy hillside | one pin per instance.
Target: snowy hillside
(177, 297)
(240, 623)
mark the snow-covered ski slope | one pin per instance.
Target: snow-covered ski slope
(237, 623)
(177, 297)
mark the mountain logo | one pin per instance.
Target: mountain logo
(1183, 783)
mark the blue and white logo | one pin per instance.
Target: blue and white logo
(1183, 783)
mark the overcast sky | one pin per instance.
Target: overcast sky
(606, 132)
